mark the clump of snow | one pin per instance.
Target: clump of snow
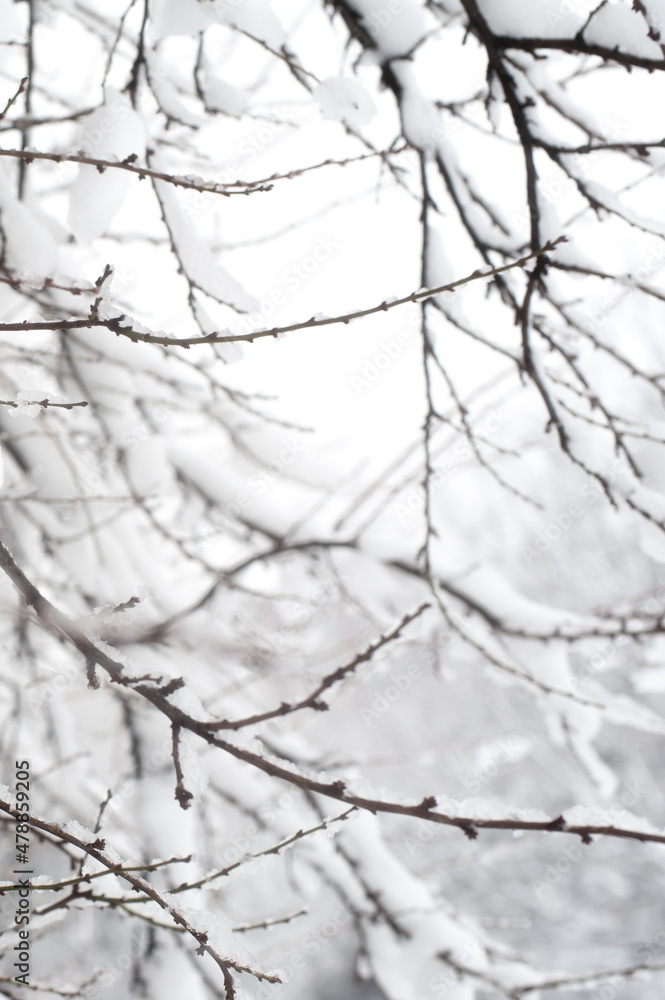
(219, 933)
(195, 774)
(256, 17)
(395, 26)
(344, 100)
(190, 17)
(28, 402)
(403, 965)
(82, 833)
(478, 808)
(229, 353)
(524, 18)
(180, 17)
(619, 21)
(655, 14)
(185, 699)
(222, 96)
(30, 250)
(511, 748)
(197, 259)
(421, 120)
(616, 817)
(166, 92)
(113, 132)
(650, 679)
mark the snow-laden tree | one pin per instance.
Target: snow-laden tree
(333, 504)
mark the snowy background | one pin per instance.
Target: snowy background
(225, 524)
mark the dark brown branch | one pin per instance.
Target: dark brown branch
(577, 46)
(191, 184)
(115, 324)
